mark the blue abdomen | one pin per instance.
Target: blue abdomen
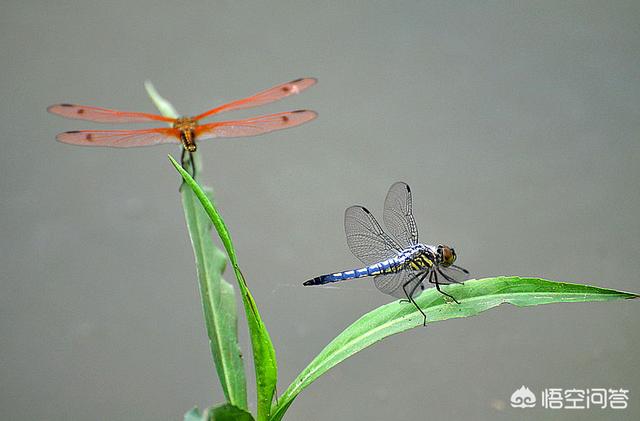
(386, 266)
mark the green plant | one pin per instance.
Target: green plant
(220, 313)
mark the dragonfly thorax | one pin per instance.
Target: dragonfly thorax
(420, 248)
(419, 256)
(187, 127)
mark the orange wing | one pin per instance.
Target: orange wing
(103, 115)
(270, 95)
(120, 138)
(254, 126)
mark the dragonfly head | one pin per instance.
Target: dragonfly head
(446, 255)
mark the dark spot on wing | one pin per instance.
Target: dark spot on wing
(285, 119)
(80, 111)
(286, 88)
(89, 137)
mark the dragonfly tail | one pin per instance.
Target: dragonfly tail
(341, 276)
(319, 280)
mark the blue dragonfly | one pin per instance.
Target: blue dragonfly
(398, 263)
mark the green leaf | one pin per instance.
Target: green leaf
(164, 106)
(229, 413)
(218, 303)
(264, 356)
(226, 412)
(217, 295)
(475, 296)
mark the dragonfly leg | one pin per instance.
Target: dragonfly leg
(437, 284)
(182, 163)
(448, 278)
(191, 162)
(404, 288)
(184, 153)
(460, 268)
(193, 165)
(415, 287)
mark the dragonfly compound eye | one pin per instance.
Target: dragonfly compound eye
(448, 256)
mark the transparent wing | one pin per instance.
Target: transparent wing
(392, 283)
(270, 95)
(365, 238)
(453, 274)
(120, 138)
(103, 115)
(398, 215)
(254, 126)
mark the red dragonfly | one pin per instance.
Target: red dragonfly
(185, 130)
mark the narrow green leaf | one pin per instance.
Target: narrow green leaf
(475, 296)
(229, 413)
(218, 303)
(217, 295)
(264, 357)
(164, 106)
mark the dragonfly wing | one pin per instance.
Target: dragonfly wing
(365, 238)
(398, 215)
(270, 95)
(254, 126)
(453, 273)
(120, 138)
(392, 283)
(103, 115)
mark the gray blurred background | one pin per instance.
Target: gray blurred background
(517, 128)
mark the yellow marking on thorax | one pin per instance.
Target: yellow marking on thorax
(420, 262)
